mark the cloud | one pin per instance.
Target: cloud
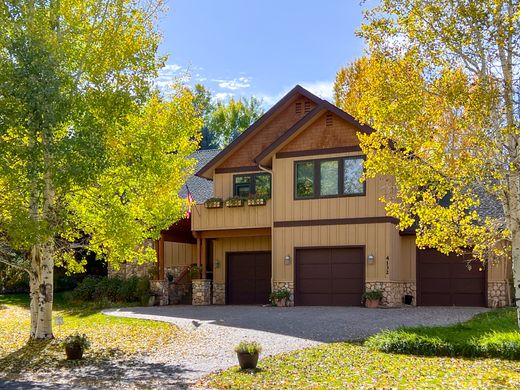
(323, 89)
(223, 95)
(234, 84)
(168, 74)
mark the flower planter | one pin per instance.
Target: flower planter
(256, 202)
(247, 360)
(74, 352)
(213, 205)
(281, 302)
(372, 303)
(234, 203)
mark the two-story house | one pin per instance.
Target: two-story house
(322, 233)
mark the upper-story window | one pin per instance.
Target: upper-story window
(252, 184)
(329, 178)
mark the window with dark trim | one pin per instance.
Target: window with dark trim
(329, 178)
(252, 184)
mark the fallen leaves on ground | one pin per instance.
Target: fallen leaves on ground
(346, 365)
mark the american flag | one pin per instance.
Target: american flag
(190, 202)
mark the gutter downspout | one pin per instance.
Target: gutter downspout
(270, 171)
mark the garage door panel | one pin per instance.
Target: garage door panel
(446, 280)
(315, 285)
(248, 278)
(350, 286)
(312, 271)
(353, 271)
(329, 276)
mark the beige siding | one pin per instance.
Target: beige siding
(231, 217)
(237, 244)
(378, 240)
(176, 253)
(223, 184)
(499, 271)
(289, 209)
(407, 269)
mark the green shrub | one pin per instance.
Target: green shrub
(116, 289)
(400, 341)
(85, 290)
(499, 345)
(374, 295)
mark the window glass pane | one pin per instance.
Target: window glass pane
(304, 179)
(353, 169)
(263, 184)
(329, 177)
(242, 190)
(242, 179)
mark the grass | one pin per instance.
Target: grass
(351, 365)
(111, 337)
(491, 334)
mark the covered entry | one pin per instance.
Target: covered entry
(329, 276)
(248, 278)
(446, 280)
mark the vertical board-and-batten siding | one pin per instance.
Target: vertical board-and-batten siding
(179, 254)
(232, 217)
(221, 246)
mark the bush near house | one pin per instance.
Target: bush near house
(492, 334)
(104, 289)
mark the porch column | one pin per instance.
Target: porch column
(203, 255)
(160, 258)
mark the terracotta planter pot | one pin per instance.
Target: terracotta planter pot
(74, 352)
(281, 302)
(372, 303)
(247, 360)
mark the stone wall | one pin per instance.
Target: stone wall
(159, 288)
(393, 292)
(287, 286)
(219, 293)
(499, 294)
(129, 269)
(201, 292)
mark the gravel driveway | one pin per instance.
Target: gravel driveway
(217, 329)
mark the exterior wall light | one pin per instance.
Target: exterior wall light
(287, 260)
(217, 263)
(370, 259)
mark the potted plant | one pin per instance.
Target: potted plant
(280, 297)
(247, 353)
(256, 200)
(213, 203)
(234, 201)
(195, 271)
(75, 344)
(372, 298)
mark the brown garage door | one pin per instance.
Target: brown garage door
(248, 278)
(446, 280)
(329, 276)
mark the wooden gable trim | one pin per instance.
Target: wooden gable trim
(251, 129)
(252, 168)
(314, 113)
(317, 152)
(324, 105)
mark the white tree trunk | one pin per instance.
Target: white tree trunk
(45, 292)
(33, 288)
(515, 249)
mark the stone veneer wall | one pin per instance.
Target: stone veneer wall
(201, 292)
(288, 286)
(393, 292)
(499, 294)
(159, 288)
(219, 293)
(129, 269)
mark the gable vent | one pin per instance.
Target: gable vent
(328, 120)
(307, 106)
(299, 108)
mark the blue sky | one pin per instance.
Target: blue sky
(260, 47)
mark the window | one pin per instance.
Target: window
(352, 172)
(252, 184)
(305, 179)
(329, 178)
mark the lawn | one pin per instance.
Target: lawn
(348, 365)
(112, 337)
